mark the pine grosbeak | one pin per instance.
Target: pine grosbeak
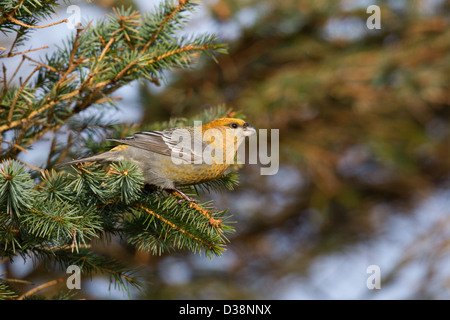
(180, 156)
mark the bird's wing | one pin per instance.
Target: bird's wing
(175, 142)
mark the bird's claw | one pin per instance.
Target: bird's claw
(189, 199)
(193, 204)
(184, 197)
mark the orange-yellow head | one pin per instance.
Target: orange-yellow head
(239, 126)
(224, 135)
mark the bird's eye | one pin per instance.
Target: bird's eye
(234, 125)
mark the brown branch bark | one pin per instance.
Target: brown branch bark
(41, 287)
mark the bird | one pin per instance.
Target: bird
(176, 157)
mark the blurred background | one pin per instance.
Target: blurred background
(363, 116)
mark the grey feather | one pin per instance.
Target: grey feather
(178, 142)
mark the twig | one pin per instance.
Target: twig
(75, 46)
(121, 20)
(167, 54)
(17, 281)
(120, 274)
(70, 68)
(14, 152)
(66, 149)
(16, 123)
(52, 150)
(93, 71)
(167, 222)
(183, 49)
(42, 64)
(4, 78)
(107, 99)
(105, 49)
(214, 222)
(9, 55)
(18, 35)
(41, 287)
(15, 72)
(16, 98)
(11, 13)
(72, 62)
(163, 25)
(20, 23)
(53, 128)
(14, 145)
(29, 166)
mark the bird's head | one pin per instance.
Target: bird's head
(225, 135)
(239, 126)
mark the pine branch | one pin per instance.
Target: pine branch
(125, 181)
(18, 22)
(60, 223)
(16, 188)
(55, 217)
(87, 69)
(6, 292)
(90, 264)
(40, 287)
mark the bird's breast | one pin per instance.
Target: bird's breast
(187, 174)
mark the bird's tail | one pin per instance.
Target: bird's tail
(98, 157)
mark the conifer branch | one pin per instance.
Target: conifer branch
(214, 222)
(14, 145)
(9, 55)
(173, 225)
(13, 75)
(55, 217)
(163, 24)
(10, 18)
(11, 110)
(11, 13)
(42, 64)
(40, 288)
(6, 292)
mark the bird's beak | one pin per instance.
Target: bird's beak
(248, 130)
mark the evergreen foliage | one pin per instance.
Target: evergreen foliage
(55, 217)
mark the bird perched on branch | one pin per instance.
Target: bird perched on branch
(180, 156)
